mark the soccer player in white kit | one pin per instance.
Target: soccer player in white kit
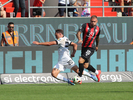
(64, 59)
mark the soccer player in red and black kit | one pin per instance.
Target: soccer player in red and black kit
(91, 33)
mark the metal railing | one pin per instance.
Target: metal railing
(29, 7)
(5, 3)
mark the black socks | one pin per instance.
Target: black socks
(81, 68)
(91, 68)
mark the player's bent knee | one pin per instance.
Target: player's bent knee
(81, 60)
(55, 72)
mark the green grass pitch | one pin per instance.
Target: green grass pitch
(85, 91)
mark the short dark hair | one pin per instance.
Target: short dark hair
(93, 16)
(59, 31)
(10, 23)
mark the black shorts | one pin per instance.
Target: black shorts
(37, 11)
(86, 53)
(62, 10)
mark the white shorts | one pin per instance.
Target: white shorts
(62, 67)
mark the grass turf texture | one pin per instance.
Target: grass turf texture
(85, 91)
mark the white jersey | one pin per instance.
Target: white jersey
(63, 52)
(64, 59)
(63, 1)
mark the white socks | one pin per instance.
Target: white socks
(60, 77)
(96, 72)
(86, 73)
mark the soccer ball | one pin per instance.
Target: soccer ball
(77, 80)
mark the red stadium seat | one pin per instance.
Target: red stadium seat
(99, 12)
(10, 8)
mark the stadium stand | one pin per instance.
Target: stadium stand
(126, 11)
(10, 8)
(98, 11)
(108, 12)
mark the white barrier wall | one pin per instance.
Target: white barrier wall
(47, 78)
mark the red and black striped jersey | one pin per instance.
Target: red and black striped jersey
(89, 34)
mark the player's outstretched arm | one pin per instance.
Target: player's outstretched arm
(74, 49)
(45, 43)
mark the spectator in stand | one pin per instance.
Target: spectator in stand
(62, 10)
(85, 11)
(2, 11)
(74, 10)
(131, 9)
(37, 12)
(122, 3)
(22, 5)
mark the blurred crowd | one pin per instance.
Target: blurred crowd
(72, 12)
(124, 11)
